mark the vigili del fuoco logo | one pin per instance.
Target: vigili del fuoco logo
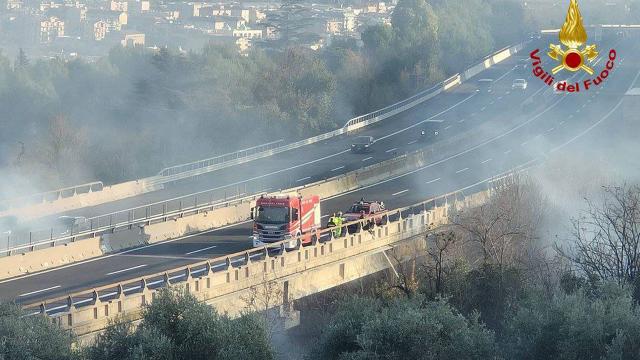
(574, 56)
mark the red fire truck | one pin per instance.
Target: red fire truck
(285, 216)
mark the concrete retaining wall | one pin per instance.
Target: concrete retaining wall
(133, 188)
(107, 194)
(208, 220)
(272, 280)
(197, 223)
(46, 258)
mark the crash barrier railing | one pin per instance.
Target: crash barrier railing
(51, 195)
(177, 207)
(122, 220)
(203, 166)
(200, 167)
(82, 308)
(218, 159)
(21, 242)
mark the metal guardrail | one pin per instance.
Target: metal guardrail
(121, 220)
(218, 159)
(181, 172)
(20, 242)
(51, 195)
(59, 305)
(171, 209)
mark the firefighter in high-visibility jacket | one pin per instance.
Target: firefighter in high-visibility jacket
(335, 222)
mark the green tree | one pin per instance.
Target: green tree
(601, 324)
(404, 329)
(464, 32)
(31, 337)
(177, 326)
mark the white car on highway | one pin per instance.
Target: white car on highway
(519, 84)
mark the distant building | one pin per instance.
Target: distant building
(50, 29)
(104, 22)
(139, 6)
(350, 23)
(244, 32)
(100, 30)
(243, 44)
(334, 26)
(14, 4)
(132, 39)
(119, 6)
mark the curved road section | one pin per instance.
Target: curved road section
(529, 135)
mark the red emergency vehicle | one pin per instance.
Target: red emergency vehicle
(285, 216)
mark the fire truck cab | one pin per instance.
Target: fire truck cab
(285, 216)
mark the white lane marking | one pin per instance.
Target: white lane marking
(486, 161)
(472, 114)
(324, 216)
(508, 92)
(578, 110)
(203, 249)
(551, 129)
(462, 170)
(435, 163)
(584, 105)
(505, 74)
(390, 150)
(400, 192)
(561, 122)
(492, 102)
(434, 120)
(297, 166)
(483, 108)
(368, 158)
(432, 181)
(605, 117)
(39, 291)
(127, 269)
(338, 168)
(155, 282)
(499, 97)
(123, 253)
(304, 178)
(431, 118)
(174, 257)
(447, 127)
(524, 143)
(412, 142)
(571, 116)
(461, 120)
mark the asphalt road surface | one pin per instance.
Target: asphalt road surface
(559, 121)
(314, 162)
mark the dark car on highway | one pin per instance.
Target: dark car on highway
(362, 144)
(485, 85)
